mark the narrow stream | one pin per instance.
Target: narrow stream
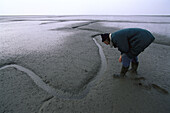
(59, 93)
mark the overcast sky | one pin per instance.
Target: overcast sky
(84, 7)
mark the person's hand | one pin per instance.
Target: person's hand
(120, 58)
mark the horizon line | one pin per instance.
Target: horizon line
(84, 15)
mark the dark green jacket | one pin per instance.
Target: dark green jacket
(132, 41)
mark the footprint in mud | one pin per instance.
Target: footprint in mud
(159, 89)
(145, 85)
(149, 86)
(142, 85)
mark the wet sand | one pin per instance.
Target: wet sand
(65, 57)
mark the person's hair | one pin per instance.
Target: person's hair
(105, 36)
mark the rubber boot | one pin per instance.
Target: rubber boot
(122, 73)
(134, 68)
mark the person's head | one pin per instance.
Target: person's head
(105, 38)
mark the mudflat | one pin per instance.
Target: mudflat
(58, 64)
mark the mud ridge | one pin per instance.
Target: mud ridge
(87, 29)
(154, 86)
(159, 89)
(45, 103)
(57, 92)
(96, 35)
(47, 23)
(64, 28)
(47, 99)
(74, 27)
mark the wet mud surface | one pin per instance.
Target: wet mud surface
(143, 83)
(71, 69)
(57, 92)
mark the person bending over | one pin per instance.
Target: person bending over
(130, 42)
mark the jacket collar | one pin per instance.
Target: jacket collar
(112, 43)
